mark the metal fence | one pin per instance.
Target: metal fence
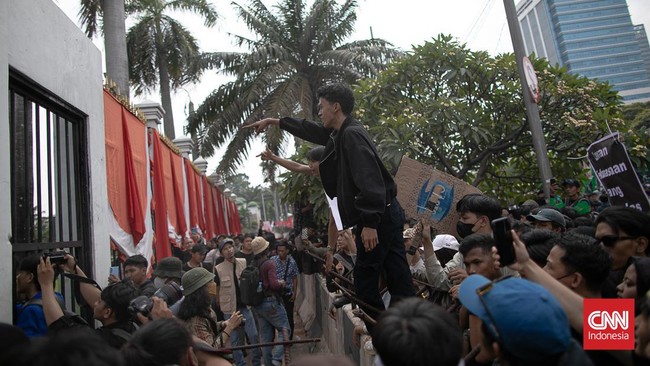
(50, 207)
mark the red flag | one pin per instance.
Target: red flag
(162, 247)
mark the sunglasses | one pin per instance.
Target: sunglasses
(611, 240)
(481, 292)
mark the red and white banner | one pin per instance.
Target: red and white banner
(181, 199)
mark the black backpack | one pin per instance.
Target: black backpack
(250, 285)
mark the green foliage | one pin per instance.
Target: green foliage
(462, 112)
(157, 38)
(294, 51)
(638, 116)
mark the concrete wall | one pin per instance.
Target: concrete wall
(337, 331)
(40, 41)
(5, 183)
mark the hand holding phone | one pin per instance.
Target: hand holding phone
(114, 274)
(503, 240)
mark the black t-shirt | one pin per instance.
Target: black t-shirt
(249, 257)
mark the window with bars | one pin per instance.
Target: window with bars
(49, 176)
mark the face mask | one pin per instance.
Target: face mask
(464, 229)
(158, 282)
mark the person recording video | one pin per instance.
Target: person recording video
(109, 305)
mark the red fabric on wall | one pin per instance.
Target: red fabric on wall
(115, 172)
(191, 194)
(224, 212)
(162, 247)
(208, 205)
(176, 163)
(198, 190)
(134, 200)
(220, 222)
(232, 213)
(168, 175)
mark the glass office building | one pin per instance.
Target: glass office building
(594, 38)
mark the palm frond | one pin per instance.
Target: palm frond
(89, 16)
(142, 51)
(205, 9)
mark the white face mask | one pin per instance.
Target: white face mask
(159, 282)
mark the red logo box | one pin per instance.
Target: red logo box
(608, 324)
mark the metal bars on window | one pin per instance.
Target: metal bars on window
(49, 171)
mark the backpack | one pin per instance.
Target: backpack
(250, 285)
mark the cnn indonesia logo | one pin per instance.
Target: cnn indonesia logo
(608, 324)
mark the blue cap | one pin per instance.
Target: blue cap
(530, 321)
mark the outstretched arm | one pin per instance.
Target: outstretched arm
(288, 164)
(570, 301)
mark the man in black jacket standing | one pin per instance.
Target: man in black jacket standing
(352, 172)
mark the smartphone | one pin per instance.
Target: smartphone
(503, 240)
(115, 271)
(412, 250)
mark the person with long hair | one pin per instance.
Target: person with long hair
(199, 289)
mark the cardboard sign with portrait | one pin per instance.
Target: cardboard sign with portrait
(425, 192)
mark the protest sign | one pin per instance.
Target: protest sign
(425, 192)
(615, 172)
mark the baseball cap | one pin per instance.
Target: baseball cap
(445, 241)
(530, 203)
(224, 242)
(170, 267)
(570, 182)
(548, 214)
(529, 321)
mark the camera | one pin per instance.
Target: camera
(56, 258)
(170, 293)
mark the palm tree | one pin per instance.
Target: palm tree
(117, 66)
(162, 52)
(295, 51)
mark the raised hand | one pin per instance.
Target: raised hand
(266, 155)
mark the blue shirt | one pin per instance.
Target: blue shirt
(292, 271)
(31, 318)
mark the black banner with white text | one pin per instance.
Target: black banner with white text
(614, 170)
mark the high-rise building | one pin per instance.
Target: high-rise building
(593, 38)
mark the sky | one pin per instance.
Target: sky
(481, 24)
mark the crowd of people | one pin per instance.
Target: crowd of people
(425, 297)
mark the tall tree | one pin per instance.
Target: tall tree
(462, 112)
(117, 65)
(294, 52)
(162, 52)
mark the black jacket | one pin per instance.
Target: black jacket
(350, 169)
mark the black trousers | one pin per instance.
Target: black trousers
(388, 257)
(288, 307)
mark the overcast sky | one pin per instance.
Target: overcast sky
(479, 23)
